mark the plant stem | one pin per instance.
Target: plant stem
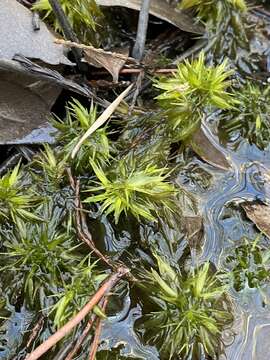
(64, 330)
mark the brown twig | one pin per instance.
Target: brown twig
(94, 346)
(64, 330)
(81, 225)
(83, 231)
(81, 338)
(35, 331)
(76, 45)
(136, 91)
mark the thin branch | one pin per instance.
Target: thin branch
(35, 331)
(67, 30)
(138, 49)
(81, 338)
(81, 225)
(63, 331)
(94, 346)
(76, 45)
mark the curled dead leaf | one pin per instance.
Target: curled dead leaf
(259, 213)
(112, 61)
(204, 145)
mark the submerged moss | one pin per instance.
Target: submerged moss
(249, 264)
(251, 118)
(191, 310)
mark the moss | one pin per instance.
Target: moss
(82, 15)
(190, 310)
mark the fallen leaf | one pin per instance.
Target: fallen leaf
(259, 214)
(17, 36)
(106, 60)
(162, 10)
(27, 93)
(24, 110)
(204, 145)
(113, 61)
(22, 65)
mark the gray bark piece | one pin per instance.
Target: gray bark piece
(17, 36)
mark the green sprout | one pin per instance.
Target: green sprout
(16, 198)
(192, 309)
(127, 189)
(53, 169)
(251, 118)
(194, 88)
(78, 120)
(82, 15)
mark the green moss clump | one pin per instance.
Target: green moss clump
(16, 197)
(127, 188)
(214, 10)
(249, 265)
(191, 310)
(251, 118)
(191, 92)
(82, 15)
(77, 121)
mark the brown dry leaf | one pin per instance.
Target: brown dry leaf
(109, 60)
(24, 109)
(204, 146)
(162, 10)
(259, 214)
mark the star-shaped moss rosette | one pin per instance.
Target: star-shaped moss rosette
(129, 189)
(189, 313)
(16, 197)
(193, 89)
